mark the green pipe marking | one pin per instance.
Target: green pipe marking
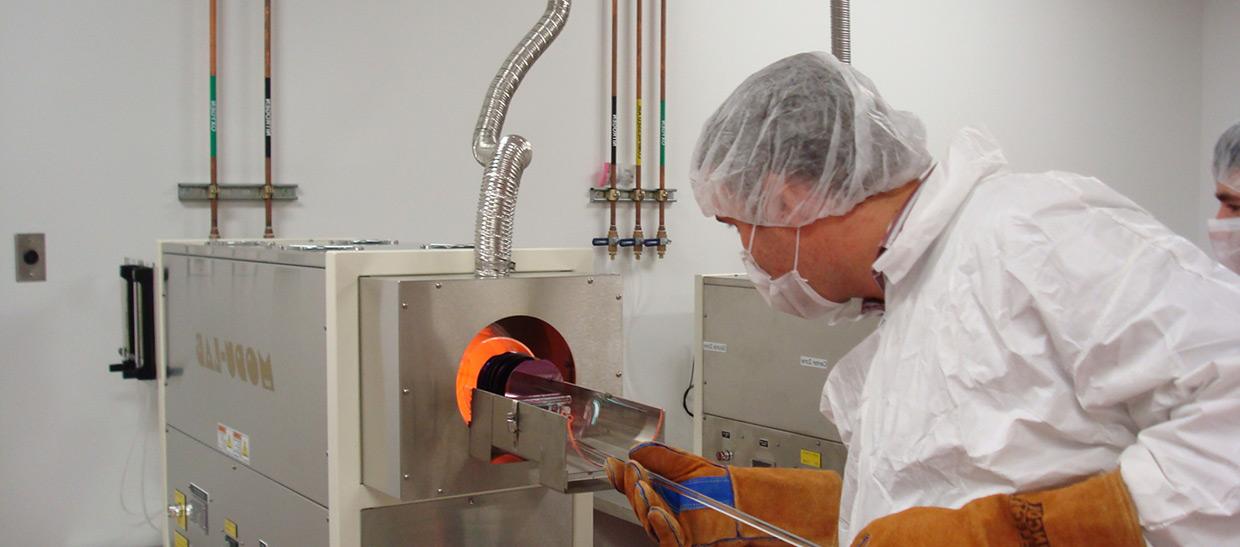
(662, 130)
(213, 116)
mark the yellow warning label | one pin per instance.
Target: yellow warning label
(178, 499)
(811, 458)
(230, 529)
(179, 540)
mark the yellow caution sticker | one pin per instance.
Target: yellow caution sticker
(230, 529)
(179, 540)
(178, 499)
(811, 458)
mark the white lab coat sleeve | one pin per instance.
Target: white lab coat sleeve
(1148, 329)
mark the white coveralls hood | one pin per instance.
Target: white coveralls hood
(1041, 328)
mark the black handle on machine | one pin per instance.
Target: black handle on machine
(138, 354)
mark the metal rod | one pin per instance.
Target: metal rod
(612, 233)
(267, 186)
(638, 237)
(214, 191)
(595, 455)
(661, 234)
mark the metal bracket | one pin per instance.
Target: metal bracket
(195, 191)
(647, 195)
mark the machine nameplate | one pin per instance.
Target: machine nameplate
(243, 362)
(715, 347)
(198, 506)
(814, 362)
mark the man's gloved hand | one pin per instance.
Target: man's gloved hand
(1095, 512)
(802, 501)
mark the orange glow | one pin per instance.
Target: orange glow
(488, 343)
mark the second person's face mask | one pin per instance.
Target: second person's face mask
(1225, 238)
(791, 293)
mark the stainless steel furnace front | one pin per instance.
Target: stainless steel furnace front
(253, 393)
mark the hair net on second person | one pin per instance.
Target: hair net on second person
(811, 124)
(1227, 158)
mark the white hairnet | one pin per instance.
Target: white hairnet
(1227, 158)
(807, 122)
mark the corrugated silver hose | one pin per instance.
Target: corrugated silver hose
(504, 86)
(497, 205)
(506, 160)
(841, 31)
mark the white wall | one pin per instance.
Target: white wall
(1220, 91)
(104, 110)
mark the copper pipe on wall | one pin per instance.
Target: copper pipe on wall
(213, 192)
(267, 187)
(613, 235)
(638, 194)
(661, 197)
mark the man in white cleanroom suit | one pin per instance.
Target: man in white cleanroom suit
(1053, 366)
(1225, 226)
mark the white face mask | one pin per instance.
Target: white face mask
(791, 293)
(1225, 238)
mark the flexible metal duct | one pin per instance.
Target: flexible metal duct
(504, 86)
(841, 31)
(506, 160)
(497, 205)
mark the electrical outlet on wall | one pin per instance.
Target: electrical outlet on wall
(31, 257)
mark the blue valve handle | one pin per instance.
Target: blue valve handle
(653, 242)
(627, 242)
(599, 242)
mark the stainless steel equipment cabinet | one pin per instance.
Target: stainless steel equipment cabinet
(760, 377)
(278, 434)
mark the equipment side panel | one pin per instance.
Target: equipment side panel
(730, 442)
(247, 365)
(257, 507)
(765, 367)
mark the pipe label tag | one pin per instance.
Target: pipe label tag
(715, 347)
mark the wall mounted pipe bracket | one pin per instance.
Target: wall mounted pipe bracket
(196, 191)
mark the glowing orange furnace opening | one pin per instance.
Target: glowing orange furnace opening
(489, 342)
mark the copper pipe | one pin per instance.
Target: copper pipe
(267, 187)
(661, 235)
(637, 169)
(612, 234)
(214, 191)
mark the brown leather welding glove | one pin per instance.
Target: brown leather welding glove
(1095, 512)
(802, 501)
